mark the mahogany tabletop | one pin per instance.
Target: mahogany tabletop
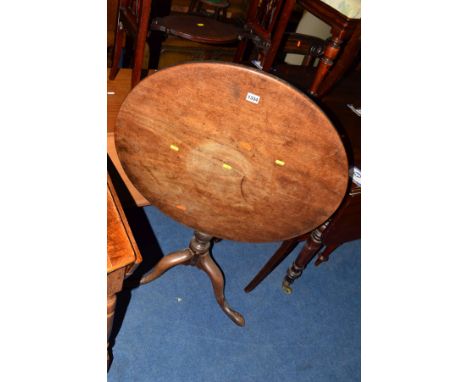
(231, 151)
(197, 28)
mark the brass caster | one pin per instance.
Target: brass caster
(286, 288)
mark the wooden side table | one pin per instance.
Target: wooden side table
(199, 29)
(134, 19)
(232, 152)
(123, 255)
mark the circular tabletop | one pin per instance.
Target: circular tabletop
(231, 151)
(197, 28)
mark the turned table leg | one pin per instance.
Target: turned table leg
(310, 249)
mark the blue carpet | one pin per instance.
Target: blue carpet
(173, 329)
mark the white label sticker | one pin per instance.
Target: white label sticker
(357, 176)
(252, 98)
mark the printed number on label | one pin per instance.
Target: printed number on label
(252, 98)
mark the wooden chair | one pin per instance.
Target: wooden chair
(247, 148)
(132, 23)
(310, 47)
(266, 25)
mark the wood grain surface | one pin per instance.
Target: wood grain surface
(117, 90)
(196, 148)
(122, 249)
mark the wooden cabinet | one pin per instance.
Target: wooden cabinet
(123, 255)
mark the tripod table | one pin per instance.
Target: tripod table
(233, 153)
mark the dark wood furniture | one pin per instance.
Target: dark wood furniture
(185, 38)
(112, 7)
(123, 255)
(219, 6)
(132, 23)
(196, 28)
(266, 26)
(346, 59)
(345, 224)
(249, 159)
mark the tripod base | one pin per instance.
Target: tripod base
(198, 254)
